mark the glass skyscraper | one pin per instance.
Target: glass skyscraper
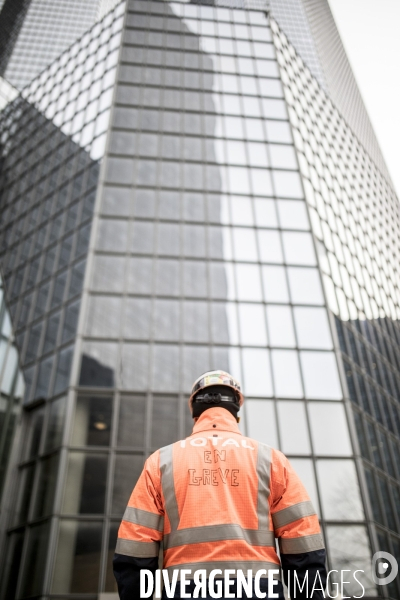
(187, 188)
(33, 33)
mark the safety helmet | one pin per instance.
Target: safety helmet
(215, 378)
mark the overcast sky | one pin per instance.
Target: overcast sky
(370, 31)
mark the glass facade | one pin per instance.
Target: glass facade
(11, 388)
(12, 13)
(355, 220)
(53, 140)
(175, 199)
(35, 32)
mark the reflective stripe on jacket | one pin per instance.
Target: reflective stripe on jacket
(218, 500)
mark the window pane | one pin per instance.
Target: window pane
(312, 328)
(50, 339)
(270, 246)
(282, 157)
(305, 286)
(35, 560)
(167, 319)
(280, 326)
(92, 422)
(131, 425)
(78, 558)
(195, 321)
(321, 378)
(293, 214)
(12, 564)
(248, 282)
(167, 277)
(142, 238)
(86, 484)
(34, 429)
(108, 273)
(194, 279)
(196, 360)
(224, 324)
(238, 179)
(260, 421)
(136, 318)
(287, 184)
(98, 365)
(222, 281)
(236, 152)
(113, 235)
(71, 315)
(305, 470)
(165, 422)
(26, 476)
(275, 284)
(257, 154)
(252, 325)
(261, 182)
(278, 132)
(298, 248)
(350, 551)
(139, 275)
(333, 477)
(293, 428)
(244, 244)
(116, 201)
(166, 364)
(46, 486)
(134, 372)
(9, 369)
(44, 377)
(194, 237)
(127, 471)
(284, 362)
(111, 583)
(103, 316)
(265, 213)
(274, 109)
(193, 207)
(334, 439)
(257, 373)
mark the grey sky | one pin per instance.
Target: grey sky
(370, 33)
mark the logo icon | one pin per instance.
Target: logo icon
(384, 568)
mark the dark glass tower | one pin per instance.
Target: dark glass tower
(186, 189)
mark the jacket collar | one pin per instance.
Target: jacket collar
(220, 417)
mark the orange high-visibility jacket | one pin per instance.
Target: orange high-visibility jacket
(218, 500)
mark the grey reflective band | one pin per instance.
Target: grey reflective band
(144, 518)
(137, 549)
(243, 565)
(293, 513)
(298, 545)
(168, 485)
(263, 475)
(218, 533)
